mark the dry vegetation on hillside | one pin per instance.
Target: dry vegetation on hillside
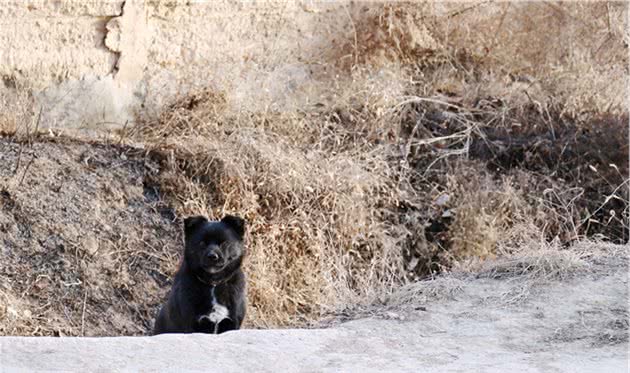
(447, 132)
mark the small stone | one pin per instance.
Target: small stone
(442, 199)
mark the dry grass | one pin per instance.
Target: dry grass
(426, 291)
(315, 218)
(442, 134)
(16, 115)
(522, 269)
(536, 264)
(543, 263)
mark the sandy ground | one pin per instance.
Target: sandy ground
(577, 323)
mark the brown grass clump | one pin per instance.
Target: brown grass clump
(537, 263)
(382, 34)
(17, 111)
(569, 52)
(486, 212)
(425, 292)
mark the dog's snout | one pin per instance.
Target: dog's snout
(213, 256)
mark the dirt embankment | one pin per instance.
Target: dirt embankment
(87, 246)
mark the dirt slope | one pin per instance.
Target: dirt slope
(81, 236)
(577, 323)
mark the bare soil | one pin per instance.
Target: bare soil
(87, 248)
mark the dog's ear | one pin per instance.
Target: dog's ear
(235, 223)
(191, 223)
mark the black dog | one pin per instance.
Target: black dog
(208, 294)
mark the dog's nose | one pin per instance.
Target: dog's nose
(213, 257)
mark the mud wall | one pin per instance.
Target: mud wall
(99, 63)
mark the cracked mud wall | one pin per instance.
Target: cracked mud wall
(97, 64)
(58, 51)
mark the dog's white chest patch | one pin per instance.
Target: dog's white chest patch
(219, 313)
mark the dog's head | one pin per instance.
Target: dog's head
(214, 247)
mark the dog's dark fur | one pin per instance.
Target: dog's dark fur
(209, 280)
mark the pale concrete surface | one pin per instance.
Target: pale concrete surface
(362, 348)
(574, 325)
